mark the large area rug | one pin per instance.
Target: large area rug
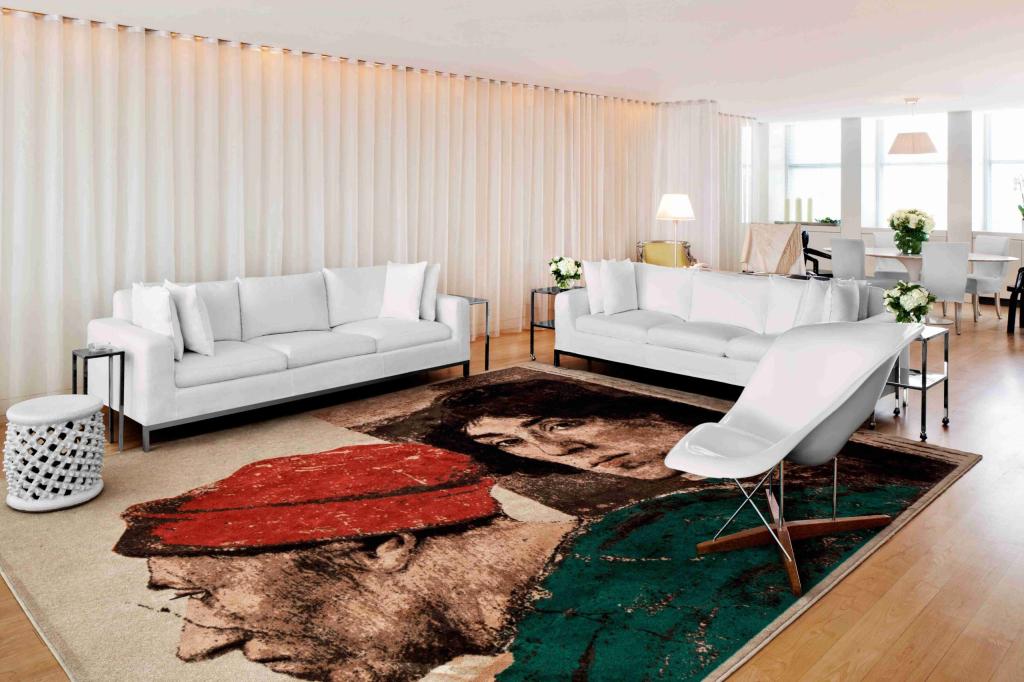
(517, 524)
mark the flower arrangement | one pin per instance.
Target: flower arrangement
(912, 227)
(565, 270)
(1018, 186)
(909, 302)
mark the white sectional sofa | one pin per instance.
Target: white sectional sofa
(277, 339)
(709, 325)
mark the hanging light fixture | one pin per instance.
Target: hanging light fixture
(914, 142)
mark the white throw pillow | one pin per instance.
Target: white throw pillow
(813, 308)
(282, 304)
(729, 298)
(595, 292)
(354, 294)
(618, 280)
(428, 303)
(664, 289)
(784, 296)
(843, 302)
(153, 309)
(403, 290)
(196, 330)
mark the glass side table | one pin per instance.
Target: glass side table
(541, 324)
(473, 300)
(110, 352)
(909, 378)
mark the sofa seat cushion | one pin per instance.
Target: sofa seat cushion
(710, 338)
(309, 348)
(393, 334)
(631, 325)
(230, 360)
(750, 347)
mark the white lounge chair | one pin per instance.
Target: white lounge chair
(809, 393)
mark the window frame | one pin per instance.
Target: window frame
(789, 164)
(987, 162)
(880, 164)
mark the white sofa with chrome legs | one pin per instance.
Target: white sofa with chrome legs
(709, 325)
(277, 339)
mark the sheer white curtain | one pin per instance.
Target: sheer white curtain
(707, 155)
(129, 155)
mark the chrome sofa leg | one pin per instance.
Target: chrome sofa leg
(999, 310)
(145, 439)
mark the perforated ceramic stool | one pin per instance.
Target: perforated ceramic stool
(53, 454)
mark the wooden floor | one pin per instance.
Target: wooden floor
(943, 600)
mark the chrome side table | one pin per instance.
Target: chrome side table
(87, 354)
(541, 324)
(908, 378)
(473, 300)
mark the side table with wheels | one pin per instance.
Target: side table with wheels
(911, 379)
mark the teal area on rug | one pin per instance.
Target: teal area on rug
(632, 601)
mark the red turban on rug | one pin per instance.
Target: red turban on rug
(347, 493)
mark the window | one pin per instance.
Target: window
(812, 167)
(890, 182)
(1003, 159)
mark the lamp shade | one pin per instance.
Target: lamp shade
(912, 143)
(675, 207)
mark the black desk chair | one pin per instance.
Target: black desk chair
(812, 255)
(1016, 292)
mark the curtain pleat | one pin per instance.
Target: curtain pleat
(132, 155)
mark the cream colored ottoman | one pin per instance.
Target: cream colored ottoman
(53, 453)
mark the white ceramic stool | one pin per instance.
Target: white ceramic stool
(53, 454)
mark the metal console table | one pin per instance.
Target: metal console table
(87, 354)
(908, 378)
(541, 324)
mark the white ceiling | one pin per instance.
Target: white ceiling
(789, 59)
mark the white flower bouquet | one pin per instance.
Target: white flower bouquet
(565, 270)
(912, 228)
(909, 302)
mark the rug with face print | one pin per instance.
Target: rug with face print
(517, 525)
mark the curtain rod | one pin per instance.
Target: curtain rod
(368, 62)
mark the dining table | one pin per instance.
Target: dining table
(912, 261)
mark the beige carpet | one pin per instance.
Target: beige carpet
(91, 604)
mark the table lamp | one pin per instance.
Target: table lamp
(675, 207)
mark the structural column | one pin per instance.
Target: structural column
(959, 189)
(850, 189)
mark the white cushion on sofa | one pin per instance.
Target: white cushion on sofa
(784, 296)
(737, 300)
(631, 325)
(428, 302)
(667, 290)
(309, 348)
(812, 305)
(618, 284)
(403, 290)
(196, 330)
(354, 293)
(750, 347)
(392, 334)
(230, 360)
(595, 292)
(710, 338)
(843, 301)
(153, 309)
(221, 299)
(287, 303)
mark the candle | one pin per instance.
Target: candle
(799, 210)
(785, 218)
(810, 209)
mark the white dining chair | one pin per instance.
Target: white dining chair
(809, 393)
(988, 278)
(848, 258)
(888, 271)
(944, 274)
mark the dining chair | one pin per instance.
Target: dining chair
(988, 278)
(848, 258)
(812, 389)
(944, 274)
(888, 270)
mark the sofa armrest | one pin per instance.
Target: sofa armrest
(148, 369)
(569, 306)
(453, 311)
